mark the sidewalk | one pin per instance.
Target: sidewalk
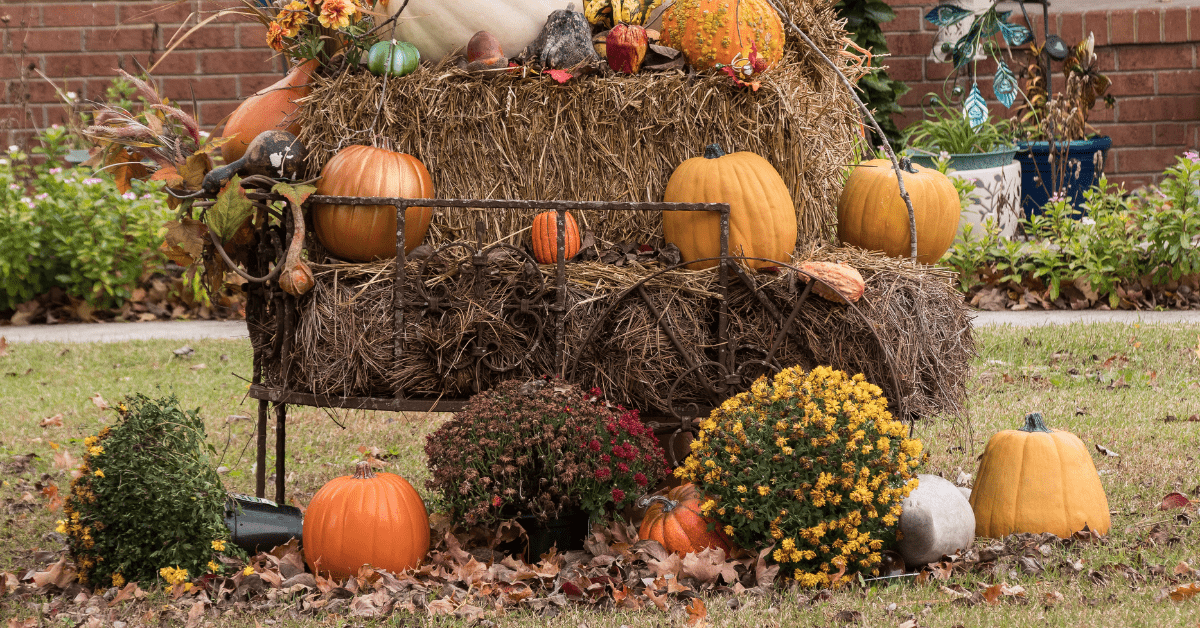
(195, 330)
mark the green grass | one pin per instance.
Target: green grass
(1064, 372)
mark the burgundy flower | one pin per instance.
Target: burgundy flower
(605, 458)
(594, 445)
(640, 479)
(603, 473)
(622, 467)
(618, 494)
(495, 501)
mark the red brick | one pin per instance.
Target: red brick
(1159, 108)
(79, 14)
(1101, 114)
(72, 64)
(204, 87)
(101, 64)
(1128, 134)
(1131, 83)
(1121, 28)
(905, 69)
(907, 19)
(1170, 134)
(917, 93)
(1070, 28)
(1095, 22)
(50, 40)
(253, 36)
(157, 12)
(1150, 159)
(1175, 26)
(923, 4)
(250, 83)
(916, 44)
(1131, 182)
(233, 62)
(178, 62)
(1106, 59)
(212, 36)
(132, 38)
(936, 71)
(1149, 26)
(1178, 81)
(213, 112)
(1155, 57)
(25, 14)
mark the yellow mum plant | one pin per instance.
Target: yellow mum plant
(812, 463)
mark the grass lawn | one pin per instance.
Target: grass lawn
(1134, 390)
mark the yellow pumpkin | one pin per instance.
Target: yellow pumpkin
(1037, 480)
(872, 215)
(762, 217)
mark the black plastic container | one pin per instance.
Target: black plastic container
(258, 525)
(566, 533)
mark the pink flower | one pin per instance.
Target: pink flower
(1192, 156)
(618, 494)
(129, 196)
(603, 473)
(55, 170)
(622, 467)
(495, 501)
(594, 445)
(92, 181)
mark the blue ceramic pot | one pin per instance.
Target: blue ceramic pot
(1038, 181)
(969, 161)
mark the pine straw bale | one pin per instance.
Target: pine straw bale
(597, 137)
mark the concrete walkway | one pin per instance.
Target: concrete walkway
(195, 330)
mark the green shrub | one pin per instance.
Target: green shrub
(73, 229)
(147, 501)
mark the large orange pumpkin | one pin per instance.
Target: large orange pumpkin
(872, 215)
(762, 217)
(709, 32)
(365, 519)
(363, 233)
(1035, 479)
(545, 237)
(675, 522)
(270, 108)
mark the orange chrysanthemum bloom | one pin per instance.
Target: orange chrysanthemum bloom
(293, 17)
(337, 13)
(275, 35)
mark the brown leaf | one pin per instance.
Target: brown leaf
(1052, 598)
(697, 613)
(168, 175)
(991, 595)
(64, 460)
(1184, 592)
(3, 346)
(441, 606)
(54, 421)
(660, 601)
(764, 572)
(708, 565)
(195, 614)
(624, 598)
(59, 574)
(194, 169)
(128, 592)
(185, 240)
(1174, 500)
(99, 401)
(671, 564)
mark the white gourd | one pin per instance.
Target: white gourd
(438, 27)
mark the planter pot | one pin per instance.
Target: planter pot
(970, 161)
(1085, 159)
(566, 533)
(997, 195)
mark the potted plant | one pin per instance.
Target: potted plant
(546, 454)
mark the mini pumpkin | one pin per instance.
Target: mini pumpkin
(835, 278)
(545, 237)
(872, 214)
(675, 521)
(362, 233)
(1035, 479)
(365, 519)
(393, 58)
(762, 217)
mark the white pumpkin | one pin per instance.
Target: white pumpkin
(438, 27)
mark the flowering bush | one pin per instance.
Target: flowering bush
(813, 463)
(536, 448)
(72, 229)
(315, 29)
(146, 501)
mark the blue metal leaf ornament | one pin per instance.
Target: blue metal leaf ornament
(946, 14)
(1015, 34)
(1004, 84)
(975, 108)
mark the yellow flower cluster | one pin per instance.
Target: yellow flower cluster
(173, 575)
(823, 470)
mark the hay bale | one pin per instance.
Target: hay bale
(597, 137)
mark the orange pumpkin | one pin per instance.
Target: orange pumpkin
(270, 108)
(675, 522)
(545, 237)
(709, 32)
(872, 214)
(363, 233)
(365, 519)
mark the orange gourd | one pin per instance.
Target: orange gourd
(270, 108)
(709, 32)
(675, 522)
(545, 237)
(872, 215)
(363, 233)
(762, 217)
(1035, 479)
(365, 519)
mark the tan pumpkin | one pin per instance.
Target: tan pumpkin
(872, 215)
(270, 108)
(363, 233)
(709, 32)
(1037, 480)
(836, 278)
(762, 217)
(675, 522)
(544, 235)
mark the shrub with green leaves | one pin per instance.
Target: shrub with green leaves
(72, 228)
(147, 500)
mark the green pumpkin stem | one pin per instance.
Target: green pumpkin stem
(362, 470)
(713, 151)
(1033, 423)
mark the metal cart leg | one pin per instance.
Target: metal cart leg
(280, 447)
(260, 460)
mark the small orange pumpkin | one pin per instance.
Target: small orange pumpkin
(270, 108)
(545, 237)
(675, 522)
(362, 233)
(365, 519)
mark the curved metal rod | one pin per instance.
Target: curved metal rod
(233, 266)
(901, 404)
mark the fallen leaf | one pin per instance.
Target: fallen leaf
(58, 574)
(848, 617)
(99, 401)
(660, 601)
(198, 367)
(560, 76)
(442, 606)
(128, 592)
(54, 421)
(1174, 500)
(3, 346)
(1106, 451)
(991, 595)
(195, 614)
(1184, 592)
(1052, 598)
(64, 460)
(697, 613)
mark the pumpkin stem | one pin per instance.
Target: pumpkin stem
(362, 470)
(644, 501)
(713, 151)
(1033, 423)
(907, 165)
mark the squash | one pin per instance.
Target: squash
(270, 108)
(437, 27)
(676, 523)
(485, 48)
(393, 58)
(362, 233)
(545, 237)
(872, 215)
(709, 32)
(762, 217)
(365, 519)
(625, 46)
(1037, 480)
(608, 13)
(835, 278)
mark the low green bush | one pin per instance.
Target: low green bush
(72, 228)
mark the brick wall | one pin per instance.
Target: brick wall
(79, 45)
(1149, 53)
